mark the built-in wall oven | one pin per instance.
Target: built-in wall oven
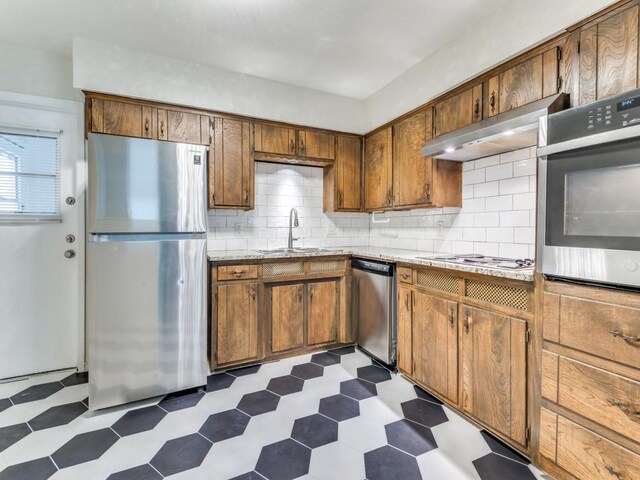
(589, 192)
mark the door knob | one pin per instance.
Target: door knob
(70, 200)
(69, 253)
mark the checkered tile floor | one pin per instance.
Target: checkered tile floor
(332, 415)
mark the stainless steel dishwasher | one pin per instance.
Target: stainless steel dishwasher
(374, 303)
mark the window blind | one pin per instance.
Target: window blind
(29, 174)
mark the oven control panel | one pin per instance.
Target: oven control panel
(612, 113)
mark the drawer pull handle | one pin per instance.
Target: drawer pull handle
(615, 473)
(466, 322)
(405, 276)
(451, 317)
(626, 409)
(238, 273)
(627, 338)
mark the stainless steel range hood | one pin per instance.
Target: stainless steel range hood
(512, 130)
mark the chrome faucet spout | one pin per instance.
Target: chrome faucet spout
(293, 222)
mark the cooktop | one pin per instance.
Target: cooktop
(484, 261)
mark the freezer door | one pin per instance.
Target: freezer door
(138, 185)
(146, 316)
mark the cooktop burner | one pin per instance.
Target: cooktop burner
(481, 260)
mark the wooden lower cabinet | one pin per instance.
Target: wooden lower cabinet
(494, 370)
(322, 312)
(287, 317)
(237, 338)
(405, 339)
(435, 337)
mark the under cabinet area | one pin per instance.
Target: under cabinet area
(465, 338)
(278, 308)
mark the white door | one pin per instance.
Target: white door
(41, 291)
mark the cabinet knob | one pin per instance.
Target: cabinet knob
(476, 108)
(292, 146)
(451, 322)
(162, 128)
(492, 102)
(146, 125)
(467, 321)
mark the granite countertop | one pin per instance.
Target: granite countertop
(393, 255)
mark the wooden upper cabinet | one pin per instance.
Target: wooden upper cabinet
(322, 312)
(183, 127)
(231, 171)
(523, 83)
(122, 118)
(608, 57)
(275, 139)
(314, 144)
(494, 370)
(348, 174)
(412, 173)
(236, 324)
(378, 171)
(287, 317)
(405, 342)
(458, 111)
(435, 335)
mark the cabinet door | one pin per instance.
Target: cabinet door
(608, 57)
(316, 144)
(348, 173)
(458, 111)
(435, 336)
(378, 173)
(117, 118)
(322, 312)
(494, 373)
(412, 173)
(405, 345)
(236, 323)
(287, 317)
(184, 127)
(275, 139)
(521, 84)
(231, 165)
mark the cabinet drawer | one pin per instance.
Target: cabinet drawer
(611, 400)
(237, 272)
(583, 453)
(326, 266)
(405, 275)
(603, 329)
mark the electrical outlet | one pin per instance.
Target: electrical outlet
(440, 229)
(237, 229)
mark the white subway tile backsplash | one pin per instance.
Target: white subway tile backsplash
(497, 215)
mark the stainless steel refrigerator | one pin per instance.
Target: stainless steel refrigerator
(146, 275)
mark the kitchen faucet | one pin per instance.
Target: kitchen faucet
(293, 222)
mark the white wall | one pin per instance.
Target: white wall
(278, 188)
(36, 72)
(515, 27)
(106, 68)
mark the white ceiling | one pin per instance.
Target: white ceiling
(346, 47)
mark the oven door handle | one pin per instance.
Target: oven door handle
(595, 139)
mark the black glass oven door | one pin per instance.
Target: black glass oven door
(593, 197)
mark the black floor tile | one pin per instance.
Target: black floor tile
(358, 389)
(139, 420)
(285, 385)
(141, 472)
(84, 447)
(241, 372)
(249, 476)
(325, 359)
(339, 407)
(36, 392)
(38, 469)
(410, 437)
(56, 416)
(387, 462)
(12, 434)
(495, 467)
(224, 425)
(500, 448)
(424, 413)
(75, 379)
(180, 454)
(4, 404)
(423, 395)
(181, 400)
(219, 381)
(374, 374)
(257, 403)
(284, 460)
(315, 430)
(307, 371)
(343, 350)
